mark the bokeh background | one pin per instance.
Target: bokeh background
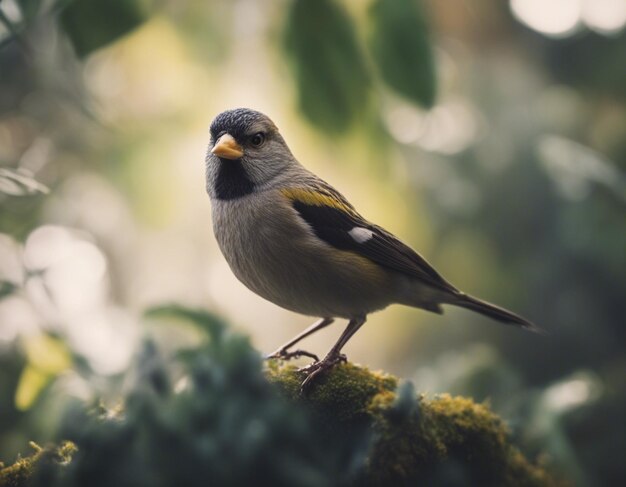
(490, 135)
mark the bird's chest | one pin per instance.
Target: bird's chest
(257, 239)
(275, 254)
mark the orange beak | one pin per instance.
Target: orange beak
(227, 147)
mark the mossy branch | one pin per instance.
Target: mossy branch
(19, 474)
(415, 438)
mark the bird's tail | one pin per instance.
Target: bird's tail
(495, 312)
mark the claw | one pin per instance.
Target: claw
(319, 367)
(283, 354)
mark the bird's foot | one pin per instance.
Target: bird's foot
(317, 368)
(284, 354)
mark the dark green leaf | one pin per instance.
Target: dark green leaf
(6, 289)
(29, 8)
(327, 64)
(92, 24)
(401, 49)
(208, 322)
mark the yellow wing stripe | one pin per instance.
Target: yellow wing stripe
(315, 198)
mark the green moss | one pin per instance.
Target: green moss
(19, 474)
(342, 396)
(415, 439)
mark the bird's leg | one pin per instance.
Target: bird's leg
(283, 352)
(333, 357)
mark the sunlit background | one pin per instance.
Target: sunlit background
(512, 185)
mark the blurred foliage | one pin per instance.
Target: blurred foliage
(592, 62)
(214, 419)
(6, 288)
(327, 64)
(207, 417)
(47, 358)
(207, 322)
(400, 45)
(92, 24)
(19, 183)
(320, 43)
(21, 472)
(30, 8)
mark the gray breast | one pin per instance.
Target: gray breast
(258, 243)
(273, 253)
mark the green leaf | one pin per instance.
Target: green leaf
(47, 357)
(29, 8)
(6, 289)
(208, 322)
(326, 62)
(92, 24)
(400, 46)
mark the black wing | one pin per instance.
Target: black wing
(333, 225)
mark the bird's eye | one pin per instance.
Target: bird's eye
(258, 139)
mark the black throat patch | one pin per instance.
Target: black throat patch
(232, 181)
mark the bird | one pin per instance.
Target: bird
(296, 241)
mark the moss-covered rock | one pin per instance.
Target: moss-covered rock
(415, 439)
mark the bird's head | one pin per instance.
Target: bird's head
(245, 153)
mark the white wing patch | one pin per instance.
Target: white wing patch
(360, 234)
